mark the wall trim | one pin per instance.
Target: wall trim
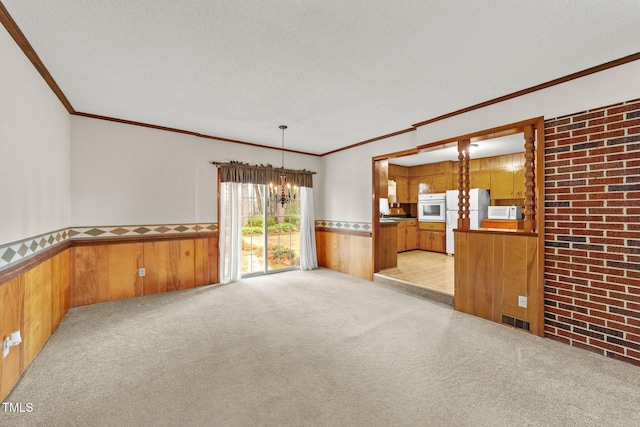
(120, 231)
(22, 255)
(20, 39)
(16, 252)
(352, 226)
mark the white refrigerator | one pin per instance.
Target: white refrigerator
(479, 201)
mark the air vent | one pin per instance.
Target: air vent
(516, 323)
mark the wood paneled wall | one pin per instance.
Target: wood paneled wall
(346, 252)
(36, 297)
(34, 303)
(108, 270)
(492, 269)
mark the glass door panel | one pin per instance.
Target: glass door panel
(283, 236)
(270, 233)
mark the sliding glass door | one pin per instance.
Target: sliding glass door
(270, 232)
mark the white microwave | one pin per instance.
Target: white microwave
(505, 212)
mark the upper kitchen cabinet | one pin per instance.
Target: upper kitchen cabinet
(402, 190)
(480, 179)
(502, 185)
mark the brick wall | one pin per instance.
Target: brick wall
(592, 230)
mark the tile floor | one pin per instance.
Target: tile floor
(426, 269)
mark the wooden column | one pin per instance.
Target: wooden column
(529, 175)
(464, 222)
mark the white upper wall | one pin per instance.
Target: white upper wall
(127, 175)
(348, 174)
(348, 178)
(34, 150)
(596, 90)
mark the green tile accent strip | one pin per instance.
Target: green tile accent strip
(95, 232)
(363, 227)
(14, 253)
(138, 230)
(8, 255)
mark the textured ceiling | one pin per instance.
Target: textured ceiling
(336, 72)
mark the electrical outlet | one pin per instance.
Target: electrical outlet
(522, 301)
(142, 272)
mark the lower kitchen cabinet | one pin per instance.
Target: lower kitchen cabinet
(435, 241)
(407, 235)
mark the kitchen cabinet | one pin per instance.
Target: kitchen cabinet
(407, 235)
(502, 185)
(435, 183)
(413, 189)
(503, 224)
(402, 189)
(435, 241)
(507, 184)
(480, 180)
(518, 184)
(387, 257)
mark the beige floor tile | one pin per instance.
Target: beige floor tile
(428, 269)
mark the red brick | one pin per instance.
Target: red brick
(607, 301)
(572, 252)
(611, 271)
(607, 286)
(587, 130)
(624, 124)
(607, 119)
(633, 131)
(587, 116)
(606, 150)
(633, 337)
(623, 327)
(625, 296)
(622, 156)
(589, 189)
(606, 345)
(558, 122)
(607, 255)
(572, 336)
(589, 319)
(607, 315)
(601, 164)
(606, 135)
(607, 196)
(572, 168)
(569, 141)
(560, 135)
(624, 108)
(606, 241)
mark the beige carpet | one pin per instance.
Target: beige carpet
(312, 348)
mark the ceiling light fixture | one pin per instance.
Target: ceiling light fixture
(285, 194)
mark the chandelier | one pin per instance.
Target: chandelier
(282, 193)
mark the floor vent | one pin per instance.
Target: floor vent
(516, 323)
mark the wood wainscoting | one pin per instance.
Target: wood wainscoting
(345, 251)
(107, 270)
(36, 294)
(32, 302)
(492, 270)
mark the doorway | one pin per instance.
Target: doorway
(497, 158)
(270, 232)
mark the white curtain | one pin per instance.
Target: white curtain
(230, 232)
(308, 256)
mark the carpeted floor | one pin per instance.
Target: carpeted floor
(311, 348)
